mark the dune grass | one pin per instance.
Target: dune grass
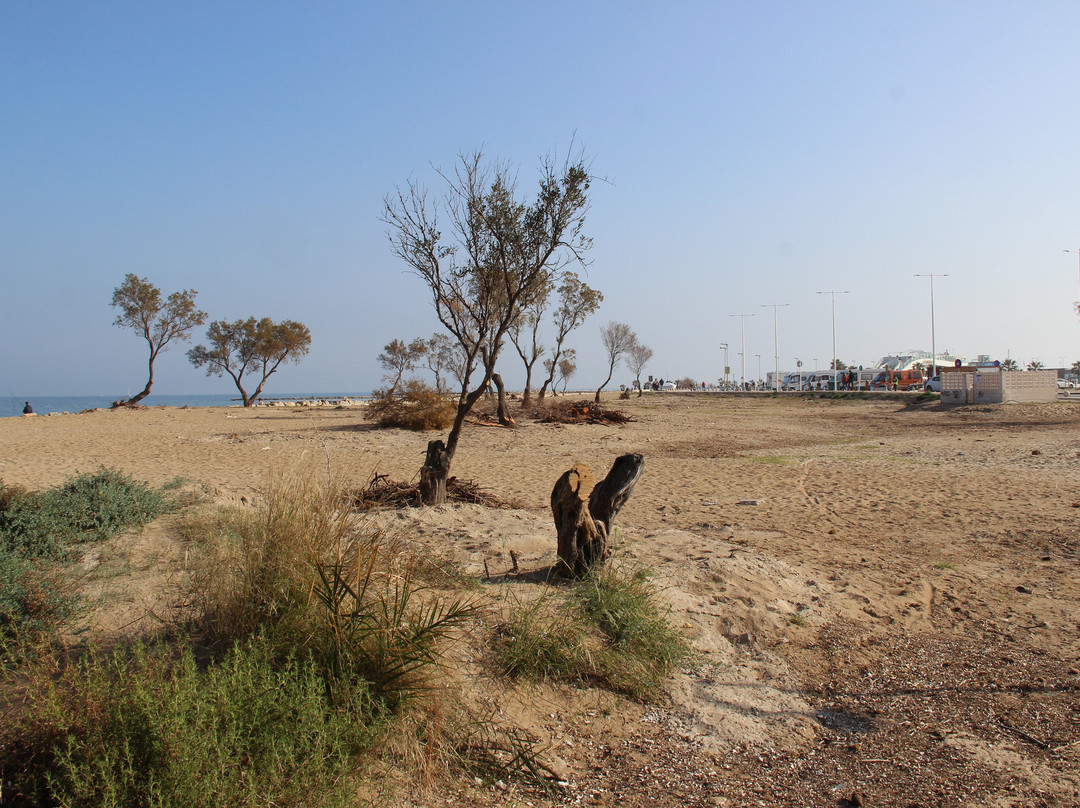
(609, 629)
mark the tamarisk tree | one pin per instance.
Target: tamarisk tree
(158, 322)
(619, 339)
(443, 358)
(576, 302)
(525, 336)
(398, 358)
(637, 358)
(499, 253)
(258, 346)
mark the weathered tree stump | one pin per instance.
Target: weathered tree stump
(434, 473)
(584, 512)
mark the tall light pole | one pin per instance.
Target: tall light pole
(775, 348)
(933, 343)
(742, 353)
(724, 346)
(833, 293)
(1078, 259)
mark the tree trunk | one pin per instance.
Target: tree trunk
(504, 416)
(526, 394)
(584, 512)
(434, 473)
(605, 384)
(131, 402)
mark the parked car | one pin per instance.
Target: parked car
(933, 384)
(1065, 384)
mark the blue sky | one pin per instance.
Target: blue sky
(753, 152)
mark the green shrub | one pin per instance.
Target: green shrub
(416, 406)
(33, 597)
(37, 531)
(100, 505)
(142, 728)
(85, 507)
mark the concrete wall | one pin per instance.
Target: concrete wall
(991, 386)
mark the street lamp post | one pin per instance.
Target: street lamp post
(933, 336)
(742, 353)
(1078, 259)
(775, 344)
(833, 294)
(724, 346)
(756, 381)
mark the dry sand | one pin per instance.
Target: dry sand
(884, 594)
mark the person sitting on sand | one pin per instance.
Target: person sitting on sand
(27, 410)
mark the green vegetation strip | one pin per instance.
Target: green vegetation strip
(40, 531)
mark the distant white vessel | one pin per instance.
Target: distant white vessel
(907, 360)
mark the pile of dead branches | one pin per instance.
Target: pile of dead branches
(583, 412)
(383, 492)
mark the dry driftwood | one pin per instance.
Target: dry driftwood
(584, 511)
(382, 492)
(583, 412)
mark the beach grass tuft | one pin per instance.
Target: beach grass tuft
(610, 629)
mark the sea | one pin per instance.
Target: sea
(44, 405)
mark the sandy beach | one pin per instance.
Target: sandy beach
(884, 593)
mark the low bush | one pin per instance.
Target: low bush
(85, 507)
(416, 406)
(33, 597)
(38, 531)
(146, 728)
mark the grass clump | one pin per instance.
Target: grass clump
(544, 639)
(310, 574)
(610, 629)
(415, 406)
(643, 646)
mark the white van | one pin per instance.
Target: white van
(796, 381)
(823, 380)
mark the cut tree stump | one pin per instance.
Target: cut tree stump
(433, 474)
(584, 512)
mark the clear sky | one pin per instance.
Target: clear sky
(755, 153)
